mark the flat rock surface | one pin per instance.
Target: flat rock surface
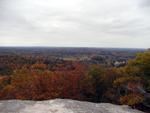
(61, 106)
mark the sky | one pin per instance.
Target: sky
(75, 23)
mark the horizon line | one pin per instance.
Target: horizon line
(70, 47)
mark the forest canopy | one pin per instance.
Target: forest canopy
(42, 80)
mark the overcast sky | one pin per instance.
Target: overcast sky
(81, 23)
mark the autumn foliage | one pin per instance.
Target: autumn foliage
(37, 83)
(75, 80)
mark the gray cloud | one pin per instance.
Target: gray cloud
(145, 3)
(99, 23)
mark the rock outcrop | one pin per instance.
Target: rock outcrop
(61, 106)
